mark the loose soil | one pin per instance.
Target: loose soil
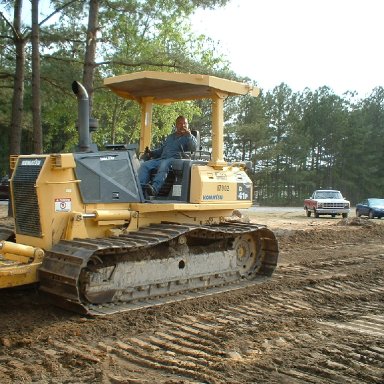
(319, 319)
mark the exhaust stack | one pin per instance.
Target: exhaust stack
(83, 113)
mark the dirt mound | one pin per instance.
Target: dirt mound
(340, 232)
(359, 221)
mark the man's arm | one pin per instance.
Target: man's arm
(157, 152)
(192, 143)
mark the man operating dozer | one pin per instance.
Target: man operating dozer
(174, 146)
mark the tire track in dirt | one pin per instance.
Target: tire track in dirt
(191, 346)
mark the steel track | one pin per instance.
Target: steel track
(62, 273)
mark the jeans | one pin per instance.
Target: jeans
(161, 165)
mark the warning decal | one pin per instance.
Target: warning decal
(63, 205)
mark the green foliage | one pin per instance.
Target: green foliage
(134, 35)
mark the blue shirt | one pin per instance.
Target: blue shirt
(174, 145)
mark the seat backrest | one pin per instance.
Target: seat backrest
(199, 153)
(196, 133)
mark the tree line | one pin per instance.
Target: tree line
(295, 141)
(301, 141)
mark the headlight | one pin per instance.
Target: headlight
(319, 205)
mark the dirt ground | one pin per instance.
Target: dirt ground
(319, 319)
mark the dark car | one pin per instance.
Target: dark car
(372, 208)
(4, 188)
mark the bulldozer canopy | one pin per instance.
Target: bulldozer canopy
(167, 87)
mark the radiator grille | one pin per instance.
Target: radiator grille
(26, 206)
(333, 205)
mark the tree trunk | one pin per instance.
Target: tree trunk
(18, 85)
(18, 88)
(36, 100)
(90, 50)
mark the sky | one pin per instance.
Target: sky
(302, 43)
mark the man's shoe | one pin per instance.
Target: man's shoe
(150, 190)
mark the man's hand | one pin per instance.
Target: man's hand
(147, 154)
(185, 131)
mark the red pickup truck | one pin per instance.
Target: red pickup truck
(327, 202)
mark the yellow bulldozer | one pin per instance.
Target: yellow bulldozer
(96, 244)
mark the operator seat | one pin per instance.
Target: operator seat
(199, 154)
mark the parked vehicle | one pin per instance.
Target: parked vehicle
(4, 188)
(327, 202)
(372, 207)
